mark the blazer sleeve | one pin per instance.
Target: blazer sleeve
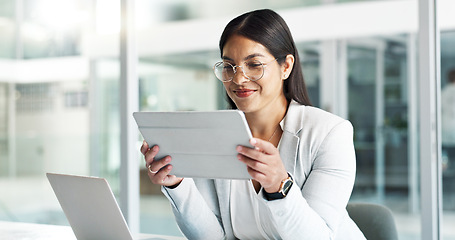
(196, 217)
(315, 210)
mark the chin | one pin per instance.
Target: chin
(246, 108)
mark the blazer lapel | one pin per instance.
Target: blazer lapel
(288, 151)
(289, 145)
(223, 188)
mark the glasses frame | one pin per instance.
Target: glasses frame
(234, 67)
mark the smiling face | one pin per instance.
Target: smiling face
(263, 94)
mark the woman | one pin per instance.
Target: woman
(303, 163)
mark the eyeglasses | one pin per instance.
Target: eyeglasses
(253, 70)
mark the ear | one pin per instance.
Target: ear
(286, 67)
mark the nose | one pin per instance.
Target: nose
(239, 77)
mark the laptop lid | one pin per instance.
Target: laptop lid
(90, 207)
(201, 144)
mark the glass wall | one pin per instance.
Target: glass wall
(378, 108)
(59, 93)
(448, 130)
(8, 30)
(310, 59)
(58, 108)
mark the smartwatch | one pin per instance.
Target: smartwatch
(285, 186)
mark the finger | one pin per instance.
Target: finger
(150, 168)
(265, 167)
(144, 147)
(252, 163)
(164, 178)
(151, 154)
(251, 153)
(159, 177)
(171, 180)
(156, 165)
(256, 175)
(265, 146)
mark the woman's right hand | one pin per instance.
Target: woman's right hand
(159, 169)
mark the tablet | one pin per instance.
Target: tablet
(201, 144)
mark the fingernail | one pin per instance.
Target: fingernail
(239, 148)
(253, 141)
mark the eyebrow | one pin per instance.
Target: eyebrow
(246, 58)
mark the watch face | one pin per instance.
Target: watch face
(286, 186)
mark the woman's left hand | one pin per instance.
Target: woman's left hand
(264, 164)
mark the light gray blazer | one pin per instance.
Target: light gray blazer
(317, 150)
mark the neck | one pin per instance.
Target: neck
(265, 122)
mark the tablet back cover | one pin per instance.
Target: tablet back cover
(201, 144)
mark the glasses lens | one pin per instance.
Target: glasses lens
(254, 70)
(224, 71)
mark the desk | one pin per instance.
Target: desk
(32, 231)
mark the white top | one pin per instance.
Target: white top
(448, 115)
(249, 213)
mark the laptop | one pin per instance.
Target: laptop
(201, 144)
(91, 208)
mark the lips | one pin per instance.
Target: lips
(242, 93)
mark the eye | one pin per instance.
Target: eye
(253, 64)
(227, 65)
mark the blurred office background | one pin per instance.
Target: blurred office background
(60, 92)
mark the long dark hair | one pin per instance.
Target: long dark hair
(269, 29)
